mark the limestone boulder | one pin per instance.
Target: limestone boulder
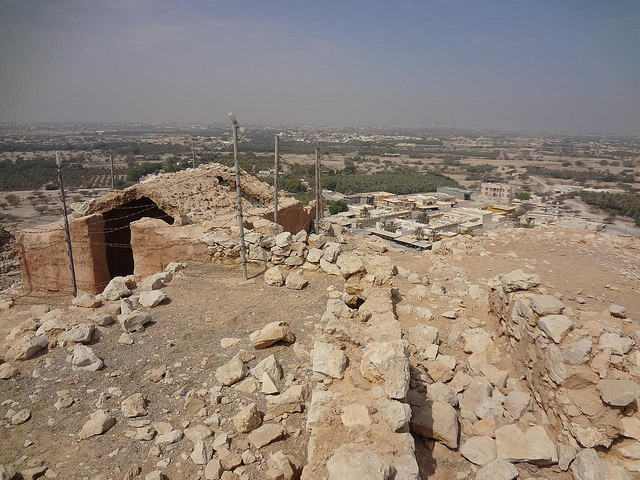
(519, 280)
(328, 360)
(295, 281)
(26, 347)
(134, 320)
(618, 393)
(247, 419)
(117, 288)
(81, 333)
(555, 326)
(155, 281)
(231, 372)
(274, 277)
(588, 466)
(497, 470)
(479, 450)
(134, 406)
(152, 298)
(436, 420)
(387, 362)
(534, 446)
(266, 434)
(272, 333)
(363, 465)
(98, 423)
(86, 300)
(84, 359)
(545, 305)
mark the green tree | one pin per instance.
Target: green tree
(365, 212)
(523, 196)
(338, 206)
(423, 218)
(418, 233)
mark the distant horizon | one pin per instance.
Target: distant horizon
(219, 124)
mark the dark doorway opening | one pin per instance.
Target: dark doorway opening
(117, 232)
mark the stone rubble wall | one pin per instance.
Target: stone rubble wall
(358, 417)
(582, 368)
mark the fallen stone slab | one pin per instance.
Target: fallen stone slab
(266, 434)
(8, 371)
(479, 450)
(134, 406)
(81, 333)
(118, 288)
(274, 277)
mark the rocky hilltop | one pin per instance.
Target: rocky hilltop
(512, 354)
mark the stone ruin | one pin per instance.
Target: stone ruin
(141, 229)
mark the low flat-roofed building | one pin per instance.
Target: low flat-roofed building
(359, 199)
(459, 193)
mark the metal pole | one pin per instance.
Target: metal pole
(66, 224)
(318, 192)
(275, 180)
(113, 179)
(239, 200)
(193, 154)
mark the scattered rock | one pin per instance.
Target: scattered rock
(134, 406)
(588, 466)
(21, 417)
(85, 359)
(264, 435)
(618, 311)
(27, 347)
(555, 326)
(295, 281)
(274, 277)
(231, 372)
(134, 320)
(153, 298)
(8, 371)
(364, 465)
(272, 333)
(99, 423)
(247, 419)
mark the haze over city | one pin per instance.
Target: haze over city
(543, 66)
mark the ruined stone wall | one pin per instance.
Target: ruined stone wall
(156, 244)
(581, 368)
(44, 261)
(294, 217)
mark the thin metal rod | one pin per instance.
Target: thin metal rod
(239, 201)
(113, 179)
(318, 191)
(66, 225)
(193, 154)
(275, 179)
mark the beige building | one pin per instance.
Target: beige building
(499, 191)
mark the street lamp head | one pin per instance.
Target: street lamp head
(232, 117)
(58, 159)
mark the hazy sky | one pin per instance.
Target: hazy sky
(521, 64)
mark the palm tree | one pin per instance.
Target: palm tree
(389, 226)
(418, 233)
(365, 212)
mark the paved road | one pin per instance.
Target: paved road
(624, 226)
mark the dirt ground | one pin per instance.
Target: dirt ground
(208, 303)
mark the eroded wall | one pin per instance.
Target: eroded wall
(44, 261)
